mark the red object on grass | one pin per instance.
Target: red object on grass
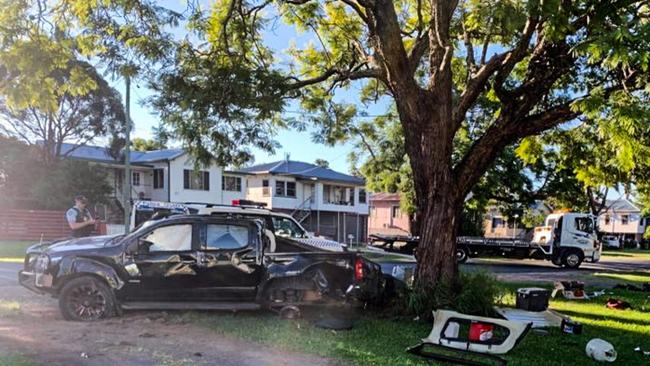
(480, 332)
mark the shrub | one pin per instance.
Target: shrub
(473, 293)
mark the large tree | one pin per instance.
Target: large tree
(535, 64)
(539, 64)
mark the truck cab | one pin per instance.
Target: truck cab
(569, 238)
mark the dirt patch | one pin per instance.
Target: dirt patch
(36, 330)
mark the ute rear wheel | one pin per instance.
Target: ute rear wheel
(462, 254)
(86, 299)
(572, 259)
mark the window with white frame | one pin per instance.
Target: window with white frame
(625, 219)
(159, 178)
(395, 212)
(265, 188)
(136, 178)
(230, 183)
(285, 188)
(291, 189)
(362, 195)
(196, 180)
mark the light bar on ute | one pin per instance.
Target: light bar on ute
(249, 203)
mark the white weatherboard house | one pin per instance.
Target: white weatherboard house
(623, 219)
(326, 202)
(164, 175)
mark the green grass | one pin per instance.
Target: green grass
(628, 253)
(13, 250)
(13, 359)
(10, 309)
(635, 278)
(382, 341)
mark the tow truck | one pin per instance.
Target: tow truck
(566, 239)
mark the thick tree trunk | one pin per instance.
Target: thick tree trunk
(429, 144)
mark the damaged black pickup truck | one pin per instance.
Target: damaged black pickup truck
(195, 262)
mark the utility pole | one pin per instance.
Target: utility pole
(127, 159)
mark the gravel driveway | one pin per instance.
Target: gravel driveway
(37, 331)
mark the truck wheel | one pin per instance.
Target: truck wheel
(572, 259)
(461, 255)
(86, 299)
(557, 260)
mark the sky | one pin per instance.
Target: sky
(297, 144)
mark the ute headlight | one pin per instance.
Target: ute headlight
(42, 263)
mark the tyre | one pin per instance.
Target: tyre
(572, 259)
(462, 255)
(86, 299)
(557, 260)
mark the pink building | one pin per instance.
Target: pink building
(386, 217)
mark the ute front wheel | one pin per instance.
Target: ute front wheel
(86, 299)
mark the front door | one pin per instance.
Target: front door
(167, 270)
(229, 261)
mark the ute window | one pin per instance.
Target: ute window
(226, 237)
(584, 224)
(172, 238)
(288, 228)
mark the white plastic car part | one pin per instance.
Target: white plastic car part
(601, 350)
(445, 332)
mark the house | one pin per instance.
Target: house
(386, 216)
(622, 219)
(164, 175)
(498, 225)
(326, 202)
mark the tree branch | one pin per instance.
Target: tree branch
(513, 57)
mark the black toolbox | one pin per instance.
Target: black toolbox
(532, 298)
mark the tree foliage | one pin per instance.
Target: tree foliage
(27, 182)
(48, 95)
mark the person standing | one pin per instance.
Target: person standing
(79, 218)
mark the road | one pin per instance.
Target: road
(536, 270)
(31, 325)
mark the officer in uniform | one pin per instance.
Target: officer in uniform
(79, 218)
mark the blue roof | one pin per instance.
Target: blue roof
(303, 170)
(101, 154)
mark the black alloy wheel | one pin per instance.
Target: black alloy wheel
(86, 299)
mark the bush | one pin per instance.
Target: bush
(474, 293)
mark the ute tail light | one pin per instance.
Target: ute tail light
(358, 269)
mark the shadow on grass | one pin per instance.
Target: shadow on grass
(612, 317)
(635, 277)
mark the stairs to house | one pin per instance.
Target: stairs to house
(303, 211)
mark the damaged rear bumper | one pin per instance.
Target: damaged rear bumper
(39, 283)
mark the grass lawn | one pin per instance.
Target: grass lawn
(381, 341)
(634, 253)
(13, 359)
(14, 250)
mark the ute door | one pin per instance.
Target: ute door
(229, 260)
(166, 270)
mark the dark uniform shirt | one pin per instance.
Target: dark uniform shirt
(76, 215)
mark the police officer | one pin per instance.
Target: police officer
(79, 218)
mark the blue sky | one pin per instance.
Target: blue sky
(297, 144)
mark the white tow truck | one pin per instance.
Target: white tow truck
(567, 239)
